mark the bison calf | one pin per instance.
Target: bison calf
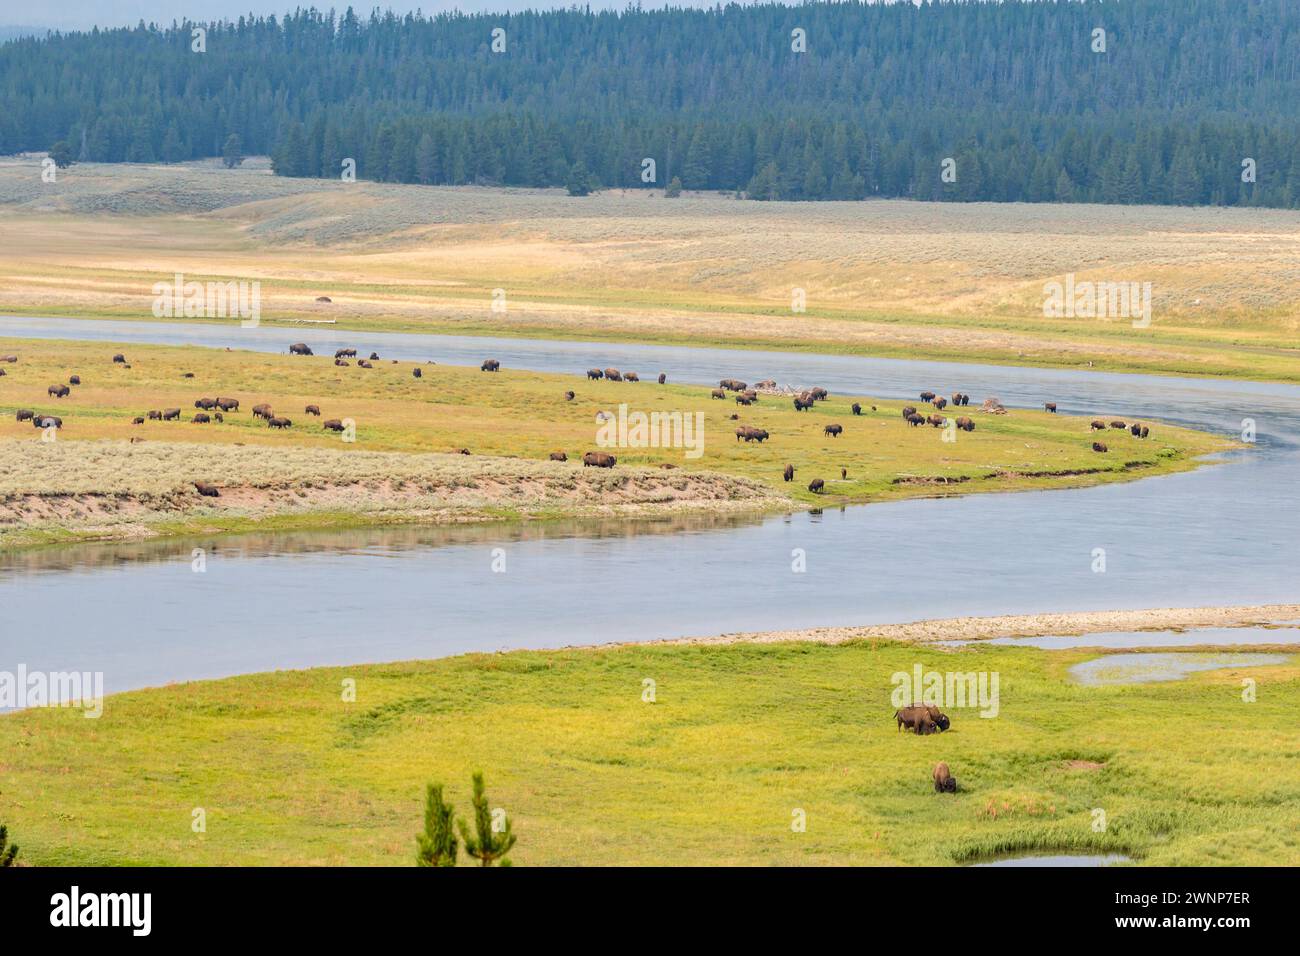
(944, 781)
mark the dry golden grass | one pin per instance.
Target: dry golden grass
(900, 278)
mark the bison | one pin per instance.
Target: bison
(346, 353)
(333, 424)
(938, 421)
(1099, 446)
(662, 378)
(940, 403)
(362, 363)
(559, 456)
(802, 404)
(908, 411)
(374, 356)
(966, 424)
(750, 433)
(915, 718)
(74, 380)
(1050, 406)
(613, 375)
(119, 359)
(341, 363)
(262, 411)
(819, 394)
(733, 385)
(595, 373)
(742, 400)
(598, 459)
(138, 420)
(24, 415)
(1098, 426)
(1145, 432)
(915, 420)
(416, 373)
(300, 348)
(218, 417)
(816, 486)
(200, 418)
(788, 474)
(718, 393)
(275, 421)
(228, 404)
(47, 421)
(171, 414)
(155, 416)
(944, 781)
(833, 430)
(927, 396)
(207, 490)
(312, 410)
(857, 409)
(59, 391)
(206, 403)
(1119, 425)
(631, 377)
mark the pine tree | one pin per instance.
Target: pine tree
(578, 182)
(61, 153)
(7, 856)
(232, 153)
(484, 845)
(673, 189)
(437, 845)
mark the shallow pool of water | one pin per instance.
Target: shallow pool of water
(1154, 668)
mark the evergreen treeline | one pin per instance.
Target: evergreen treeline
(1015, 93)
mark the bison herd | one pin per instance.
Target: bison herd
(924, 720)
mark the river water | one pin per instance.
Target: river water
(1225, 534)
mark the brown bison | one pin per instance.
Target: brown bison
(200, 418)
(927, 396)
(59, 391)
(742, 400)
(937, 421)
(362, 363)
(341, 363)
(1098, 426)
(833, 430)
(171, 414)
(569, 396)
(324, 298)
(788, 474)
(844, 474)
(598, 459)
(12, 358)
(25, 415)
(966, 424)
(944, 781)
(119, 359)
(662, 378)
(228, 404)
(718, 393)
(1099, 446)
(940, 403)
(275, 421)
(374, 356)
(155, 416)
(631, 377)
(207, 490)
(750, 433)
(138, 420)
(333, 424)
(218, 417)
(1050, 406)
(206, 403)
(595, 373)
(74, 380)
(733, 385)
(819, 394)
(345, 353)
(47, 421)
(262, 411)
(802, 404)
(300, 348)
(816, 486)
(857, 409)
(915, 420)
(559, 456)
(188, 375)
(1145, 432)
(918, 716)
(312, 410)
(416, 373)
(613, 374)
(1119, 425)
(908, 411)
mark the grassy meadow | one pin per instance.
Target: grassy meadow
(960, 282)
(102, 467)
(737, 738)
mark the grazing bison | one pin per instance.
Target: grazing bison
(312, 410)
(944, 781)
(613, 374)
(857, 409)
(75, 380)
(25, 414)
(1135, 430)
(188, 375)
(9, 358)
(598, 459)
(1119, 425)
(802, 404)
(662, 378)
(742, 400)
(262, 411)
(908, 412)
(816, 486)
(416, 373)
(732, 385)
(966, 424)
(940, 403)
(138, 420)
(1050, 406)
(171, 414)
(559, 456)
(119, 359)
(927, 396)
(228, 404)
(59, 391)
(750, 433)
(937, 421)
(844, 474)
(915, 420)
(1098, 426)
(47, 421)
(374, 356)
(1145, 432)
(218, 417)
(207, 490)
(155, 416)
(333, 424)
(200, 418)
(833, 430)
(718, 393)
(922, 718)
(595, 373)
(819, 394)
(345, 353)
(788, 474)
(569, 396)
(631, 377)
(206, 403)
(277, 422)
(1099, 446)
(300, 348)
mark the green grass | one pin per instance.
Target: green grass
(739, 736)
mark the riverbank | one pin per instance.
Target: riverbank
(664, 754)
(465, 445)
